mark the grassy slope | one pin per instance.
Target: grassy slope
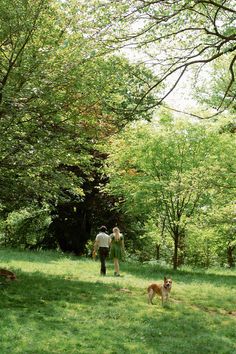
(60, 304)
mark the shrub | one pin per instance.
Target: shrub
(26, 227)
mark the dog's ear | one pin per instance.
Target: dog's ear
(165, 279)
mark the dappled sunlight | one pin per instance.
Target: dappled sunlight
(65, 306)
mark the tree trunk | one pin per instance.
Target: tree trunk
(157, 251)
(181, 247)
(230, 257)
(176, 244)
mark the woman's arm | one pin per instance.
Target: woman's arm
(123, 244)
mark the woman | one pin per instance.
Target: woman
(117, 248)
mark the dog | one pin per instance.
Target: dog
(162, 290)
(7, 274)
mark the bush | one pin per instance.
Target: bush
(26, 227)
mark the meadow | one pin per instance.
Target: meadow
(60, 304)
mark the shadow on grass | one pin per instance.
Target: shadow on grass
(147, 271)
(144, 271)
(34, 290)
(61, 315)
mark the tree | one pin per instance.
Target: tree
(60, 99)
(175, 36)
(223, 220)
(170, 170)
(215, 226)
(34, 100)
(214, 88)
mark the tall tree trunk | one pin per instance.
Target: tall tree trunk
(181, 247)
(230, 257)
(176, 245)
(157, 251)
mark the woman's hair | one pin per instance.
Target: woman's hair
(116, 233)
(103, 228)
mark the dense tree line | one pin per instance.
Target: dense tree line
(66, 96)
(177, 177)
(59, 100)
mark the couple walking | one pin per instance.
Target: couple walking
(116, 244)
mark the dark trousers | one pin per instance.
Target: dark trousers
(103, 253)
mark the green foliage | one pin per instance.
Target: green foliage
(26, 228)
(58, 99)
(63, 94)
(201, 247)
(172, 171)
(176, 36)
(89, 248)
(212, 236)
(213, 88)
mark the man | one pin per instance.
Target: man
(102, 243)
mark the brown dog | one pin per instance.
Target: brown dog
(162, 290)
(7, 274)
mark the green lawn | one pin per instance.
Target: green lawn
(60, 304)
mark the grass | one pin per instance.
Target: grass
(60, 304)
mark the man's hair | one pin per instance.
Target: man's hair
(103, 228)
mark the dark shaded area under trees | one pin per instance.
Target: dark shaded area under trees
(75, 222)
